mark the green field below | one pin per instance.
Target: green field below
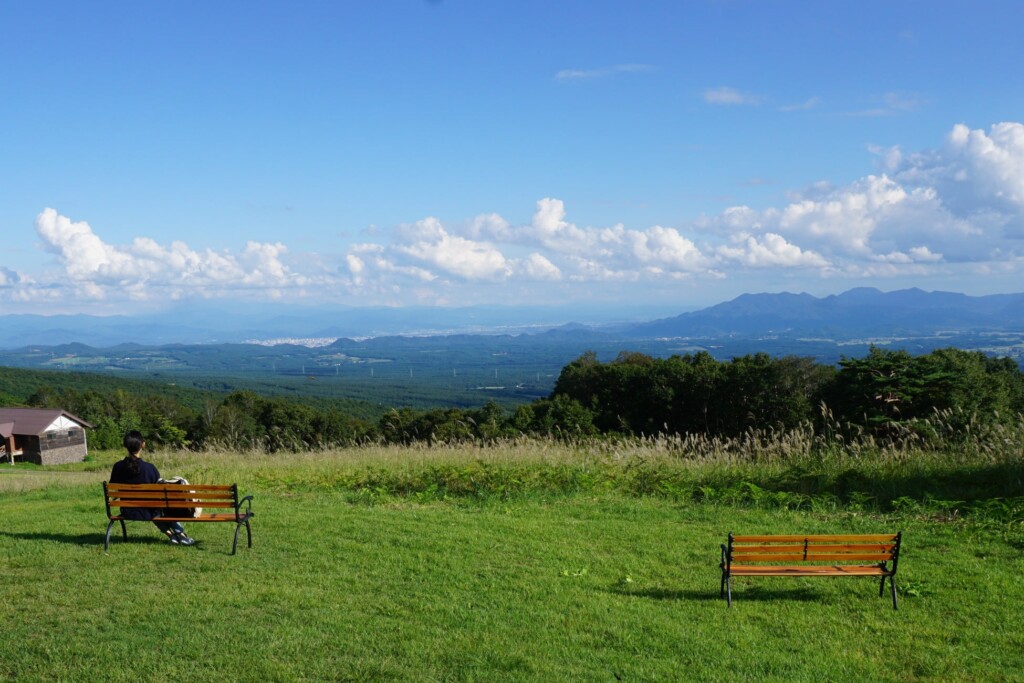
(392, 564)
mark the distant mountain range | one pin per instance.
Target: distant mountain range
(210, 323)
(856, 314)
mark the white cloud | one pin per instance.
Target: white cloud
(455, 255)
(724, 95)
(98, 269)
(536, 267)
(962, 203)
(958, 208)
(770, 251)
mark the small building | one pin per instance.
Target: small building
(45, 436)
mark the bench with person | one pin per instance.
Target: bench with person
(177, 503)
(874, 555)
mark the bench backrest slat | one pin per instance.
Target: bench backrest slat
(740, 558)
(170, 496)
(855, 538)
(849, 547)
(112, 488)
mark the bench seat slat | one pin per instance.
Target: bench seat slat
(158, 504)
(812, 557)
(215, 517)
(809, 570)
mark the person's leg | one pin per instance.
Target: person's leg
(174, 531)
(170, 527)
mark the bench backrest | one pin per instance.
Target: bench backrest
(831, 549)
(170, 496)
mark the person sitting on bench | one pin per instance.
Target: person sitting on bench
(134, 470)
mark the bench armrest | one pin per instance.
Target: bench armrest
(247, 501)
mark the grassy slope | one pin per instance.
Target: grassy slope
(589, 586)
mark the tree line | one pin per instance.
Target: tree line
(634, 394)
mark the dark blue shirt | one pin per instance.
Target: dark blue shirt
(148, 474)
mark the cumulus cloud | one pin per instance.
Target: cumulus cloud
(960, 203)
(464, 258)
(140, 268)
(956, 208)
(768, 251)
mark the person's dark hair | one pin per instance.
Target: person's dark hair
(133, 441)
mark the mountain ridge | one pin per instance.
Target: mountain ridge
(855, 313)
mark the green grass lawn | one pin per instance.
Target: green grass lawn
(593, 586)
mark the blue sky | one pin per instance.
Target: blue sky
(455, 153)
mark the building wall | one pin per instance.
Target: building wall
(54, 448)
(65, 454)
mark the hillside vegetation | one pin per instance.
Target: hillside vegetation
(886, 394)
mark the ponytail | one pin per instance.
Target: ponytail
(134, 442)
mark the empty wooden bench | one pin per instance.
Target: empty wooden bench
(875, 555)
(179, 503)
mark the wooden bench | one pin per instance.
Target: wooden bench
(874, 555)
(179, 503)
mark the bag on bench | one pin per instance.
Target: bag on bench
(180, 512)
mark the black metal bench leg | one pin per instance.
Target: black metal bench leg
(892, 585)
(721, 589)
(248, 532)
(106, 539)
(728, 590)
(881, 588)
(124, 530)
(234, 545)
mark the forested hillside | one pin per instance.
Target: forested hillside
(634, 394)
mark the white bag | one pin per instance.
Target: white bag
(196, 512)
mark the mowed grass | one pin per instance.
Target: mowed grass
(596, 585)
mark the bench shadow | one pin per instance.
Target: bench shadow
(758, 594)
(79, 539)
(751, 594)
(72, 539)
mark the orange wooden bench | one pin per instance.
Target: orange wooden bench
(179, 503)
(875, 555)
